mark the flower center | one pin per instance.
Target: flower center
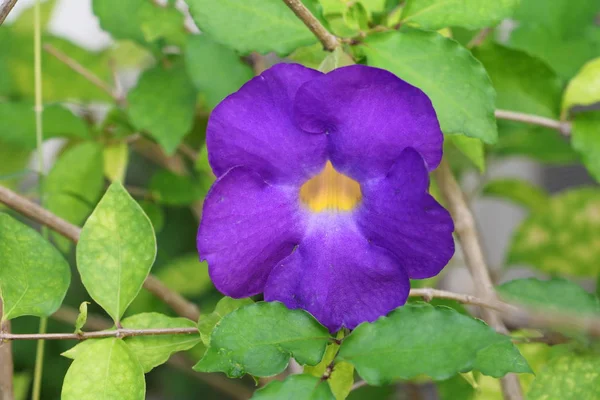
(330, 190)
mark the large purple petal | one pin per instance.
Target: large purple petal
(247, 227)
(399, 215)
(254, 128)
(370, 116)
(338, 276)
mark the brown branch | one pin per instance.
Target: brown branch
(118, 333)
(86, 73)
(329, 41)
(33, 211)
(179, 361)
(466, 231)
(5, 9)
(6, 361)
(564, 127)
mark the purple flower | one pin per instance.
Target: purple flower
(321, 200)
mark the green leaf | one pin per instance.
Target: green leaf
(297, 387)
(562, 237)
(25, 20)
(559, 32)
(116, 157)
(341, 379)
(116, 250)
(152, 351)
(543, 294)
(470, 14)
(585, 139)
(453, 79)
(34, 277)
(177, 273)
(155, 213)
(18, 124)
(163, 104)
(571, 376)
(74, 185)
(418, 339)
(13, 165)
(525, 84)
(59, 82)
(472, 149)
(521, 192)
(252, 25)
(456, 387)
(260, 338)
(216, 70)
(584, 88)
(335, 59)
(499, 358)
(21, 384)
(105, 370)
(82, 317)
(225, 306)
(141, 21)
(309, 56)
(175, 190)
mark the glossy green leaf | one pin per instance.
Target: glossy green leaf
(341, 379)
(584, 88)
(470, 14)
(225, 306)
(297, 387)
(525, 84)
(252, 25)
(141, 21)
(105, 370)
(518, 191)
(585, 139)
(116, 250)
(454, 80)
(571, 376)
(175, 190)
(18, 124)
(561, 238)
(163, 104)
(216, 70)
(472, 149)
(544, 294)
(34, 276)
(116, 157)
(82, 317)
(74, 185)
(260, 338)
(152, 351)
(419, 339)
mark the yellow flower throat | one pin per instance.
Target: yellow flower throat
(330, 191)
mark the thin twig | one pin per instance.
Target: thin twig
(329, 41)
(428, 293)
(358, 385)
(5, 9)
(118, 333)
(28, 208)
(179, 361)
(466, 231)
(6, 362)
(479, 38)
(564, 127)
(86, 73)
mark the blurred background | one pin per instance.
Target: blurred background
(153, 179)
